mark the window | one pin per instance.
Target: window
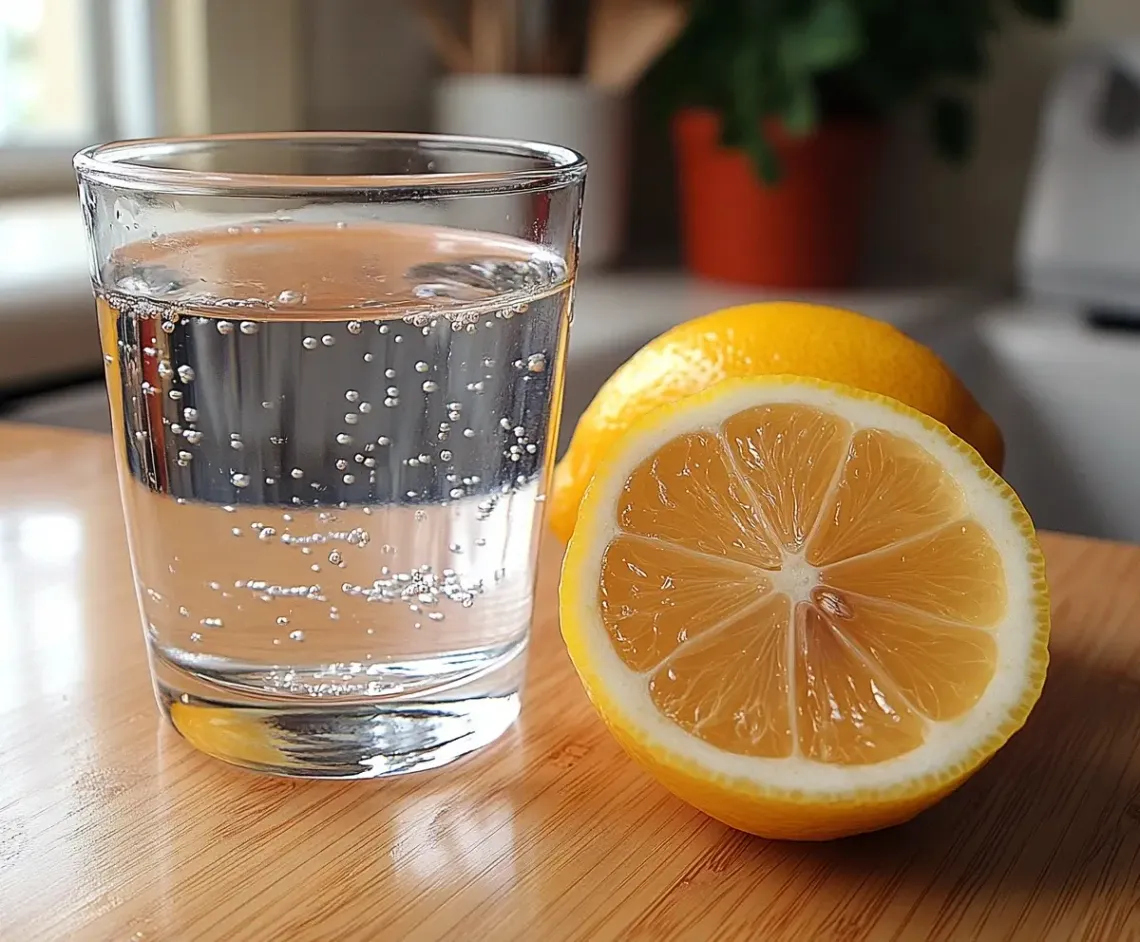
(47, 96)
(77, 71)
(43, 63)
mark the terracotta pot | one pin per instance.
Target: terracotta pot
(802, 233)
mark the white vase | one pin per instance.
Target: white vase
(553, 110)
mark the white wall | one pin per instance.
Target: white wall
(931, 221)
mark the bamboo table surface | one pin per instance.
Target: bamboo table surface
(112, 827)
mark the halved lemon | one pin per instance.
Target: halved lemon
(809, 611)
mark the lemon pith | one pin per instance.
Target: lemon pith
(766, 339)
(939, 656)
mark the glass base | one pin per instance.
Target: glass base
(334, 739)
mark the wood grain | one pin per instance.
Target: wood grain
(111, 827)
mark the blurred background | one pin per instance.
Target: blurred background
(970, 174)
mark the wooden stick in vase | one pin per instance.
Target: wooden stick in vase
(486, 36)
(452, 51)
(508, 23)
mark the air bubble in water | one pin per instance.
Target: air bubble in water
(282, 621)
(164, 369)
(297, 635)
(335, 558)
(429, 386)
(225, 328)
(383, 440)
(422, 367)
(389, 373)
(192, 435)
(189, 414)
(212, 623)
(248, 327)
(351, 418)
(536, 362)
(239, 480)
(353, 327)
(309, 343)
(368, 358)
(328, 340)
(469, 433)
(445, 455)
(436, 616)
(290, 297)
(344, 439)
(186, 374)
(267, 533)
(365, 407)
(349, 479)
(352, 395)
(168, 327)
(175, 394)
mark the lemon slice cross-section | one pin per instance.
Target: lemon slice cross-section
(807, 610)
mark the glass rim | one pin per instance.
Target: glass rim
(115, 163)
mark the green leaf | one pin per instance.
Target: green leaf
(801, 113)
(1047, 11)
(764, 159)
(952, 125)
(829, 37)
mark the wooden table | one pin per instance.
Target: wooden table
(112, 828)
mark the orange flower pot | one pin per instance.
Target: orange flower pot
(802, 233)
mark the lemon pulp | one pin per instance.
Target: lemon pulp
(789, 585)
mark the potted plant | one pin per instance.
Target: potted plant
(778, 110)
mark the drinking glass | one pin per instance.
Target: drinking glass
(334, 364)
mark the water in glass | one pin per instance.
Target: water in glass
(333, 440)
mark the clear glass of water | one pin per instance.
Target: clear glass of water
(335, 371)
